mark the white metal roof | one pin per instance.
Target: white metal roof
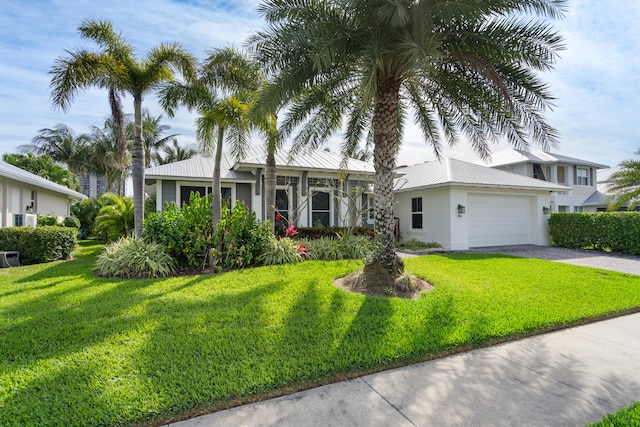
(22, 175)
(512, 156)
(202, 167)
(453, 171)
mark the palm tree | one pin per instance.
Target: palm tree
(62, 145)
(116, 67)
(625, 185)
(152, 131)
(463, 68)
(108, 159)
(174, 152)
(220, 118)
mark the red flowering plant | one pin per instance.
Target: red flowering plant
(303, 251)
(291, 231)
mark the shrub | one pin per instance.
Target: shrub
(134, 258)
(71, 221)
(115, 218)
(281, 251)
(331, 232)
(417, 245)
(614, 231)
(40, 244)
(187, 233)
(47, 220)
(239, 237)
(344, 247)
(86, 211)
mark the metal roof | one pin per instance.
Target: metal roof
(453, 171)
(202, 167)
(22, 175)
(512, 156)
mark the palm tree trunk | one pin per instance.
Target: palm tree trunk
(137, 163)
(216, 203)
(385, 124)
(270, 187)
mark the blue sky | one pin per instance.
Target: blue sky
(596, 82)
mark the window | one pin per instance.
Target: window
(282, 208)
(577, 209)
(185, 193)
(225, 192)
(561, 176)
(416, 212)
(368, 214)
(563, 209)
(582, 176)
(538, 173)
(321, 209)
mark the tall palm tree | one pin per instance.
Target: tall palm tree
(174, 152)
(464, 68)
(115, 66)
(153, 137)
(61, 143)
(625, 185)
(221, 97)
(108, 159)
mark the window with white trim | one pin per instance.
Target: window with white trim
(582, 176)
(282, 208)
(416, 212)
(577, 209)
(321, 209)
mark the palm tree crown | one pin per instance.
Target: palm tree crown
(625, 185)
(464, 69)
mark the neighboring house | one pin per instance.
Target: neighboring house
(315, 188)
(462, 205)
(23, 195)
(578, 175)
(599, 200)
(93, 185)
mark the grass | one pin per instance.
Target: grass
(77, 349)
(624, 418)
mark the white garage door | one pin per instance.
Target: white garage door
(498, 220)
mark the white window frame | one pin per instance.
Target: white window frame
(417, 212)
(314, 191)
(580, 179)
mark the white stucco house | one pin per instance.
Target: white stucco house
(315, 188)
(580, 176)
(23, 195)
(463, 205)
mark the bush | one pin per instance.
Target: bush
(331, 232)
(40, 244)
(134, 258)
(47, 220)
(71, 221)
(614, 231)
(281, 251)
(239, 237)
(187, 233)
(345, 247)
(417, 245)
(115, 218)
(86, 211)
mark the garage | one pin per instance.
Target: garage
(496, 220)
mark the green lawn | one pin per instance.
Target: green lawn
(626, 417)
(76, 349)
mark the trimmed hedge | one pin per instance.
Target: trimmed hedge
(330, 232)
(614, 231)
(39, 244)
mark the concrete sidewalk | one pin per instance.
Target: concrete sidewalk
(565, 378)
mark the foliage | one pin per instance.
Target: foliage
(162, 349)
(626, 417)
(39, 244)
(339, 247)
(47, 220)
(239, 237)
(86, 211)
(330, 232)
(115, 218)
(45, 167)
(280, 251)
(186, 232)
(134, 258)
(417, 245)
(612, 231)
(71, 221)
(625, 185)
(62, 145)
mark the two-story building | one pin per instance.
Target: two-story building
(579, 175)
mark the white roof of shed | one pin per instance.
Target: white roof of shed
(453, 171)
(22, 175)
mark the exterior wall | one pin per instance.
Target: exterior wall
(443, 224)
(15, 196)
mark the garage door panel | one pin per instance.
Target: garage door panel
(498, 220)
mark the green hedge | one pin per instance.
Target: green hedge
(331, 232)
(40, 244)
(614, 231)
